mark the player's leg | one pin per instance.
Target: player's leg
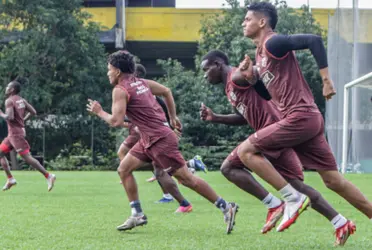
(197, 163)
(27, 157)
(5, 147)
(167, 197)
(316, 154)
(132, 161)
(235, 171)
(296, 202)
(165, 153)
(170, 187)
(123, 150)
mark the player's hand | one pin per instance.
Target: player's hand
(94, 107)
(247, 70)
(206, 114)
(328, 89)
(176, 124)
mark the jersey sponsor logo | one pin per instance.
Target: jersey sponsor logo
(264, 61)
(241, 108)
(267, 77)
(232, 96)
(20, 104)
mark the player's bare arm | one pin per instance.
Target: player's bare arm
(9, 110)
(119, 105)
(30, 111)
(280, 45)
(206, 114)
(247, 74)
(160, 90)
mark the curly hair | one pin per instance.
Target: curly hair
(266, 8)
(140, 70)
(215, 54)
(122, 60)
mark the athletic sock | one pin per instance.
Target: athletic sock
(289, 194)
(184, 203)
(136, 208)
(46, 175)
(10, 176)
(338, 221)
(271, 201)
(221, 204)
(167, 196)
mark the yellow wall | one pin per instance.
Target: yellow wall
(156, 24)
(183, 25)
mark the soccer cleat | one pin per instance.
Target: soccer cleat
(152, 179)
(9, 183)
(273, 216)
(229, 216)
(199, 164)
(343, 233)
(132, 222)
(292, 211)
(164, 200)
(51, 179)
(182, 209)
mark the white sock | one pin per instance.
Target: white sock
(289, 194)
(338, 221)
(271, 201)
(191, 163)
(167, 196)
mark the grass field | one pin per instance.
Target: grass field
(83, 210)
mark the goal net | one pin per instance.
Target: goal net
(349, 114)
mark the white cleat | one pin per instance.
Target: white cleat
(292, 211)
(51, 179)
(9, 183)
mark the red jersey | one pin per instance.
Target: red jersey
(17, 125)
(144, 111)
(258, 112)
(284, 81)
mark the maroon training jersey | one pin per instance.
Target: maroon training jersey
(144, 111)
(17, 125)
(284, 81)
(258, 112)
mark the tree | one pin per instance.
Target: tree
(224, 32)
(53, 50)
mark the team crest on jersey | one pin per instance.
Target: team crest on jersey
(241, 109)
(267, 77)
(232, 96)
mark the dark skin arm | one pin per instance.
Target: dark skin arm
(9, 110)
(118, 109)
(30, 111)
(206, 114)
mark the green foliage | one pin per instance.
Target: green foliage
(224, 32)
(56, 55)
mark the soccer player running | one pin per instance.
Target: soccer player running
(167, 184)
(17, 111)
(133, 97)
(258, 113)
(301, 126)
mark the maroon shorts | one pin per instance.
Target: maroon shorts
(16, 142)
(131, 140)
(302, 131)
(288, 164)
(163, 153)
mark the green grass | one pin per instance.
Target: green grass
(83, 210)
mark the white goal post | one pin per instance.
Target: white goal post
(345, 128)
